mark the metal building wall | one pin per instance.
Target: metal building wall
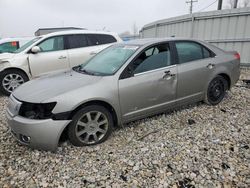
(227, 29)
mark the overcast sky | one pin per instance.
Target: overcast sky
(23, 17)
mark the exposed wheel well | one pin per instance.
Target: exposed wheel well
(227, 78)
(96, 102)
(16, 69)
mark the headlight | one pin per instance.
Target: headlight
(37, 111)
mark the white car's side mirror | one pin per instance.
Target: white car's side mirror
(35, 49)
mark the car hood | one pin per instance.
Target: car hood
(5, 56)
(45, 88)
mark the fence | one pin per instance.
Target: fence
(227, 29)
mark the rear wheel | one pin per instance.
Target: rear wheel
(216, 90)
(91, 125)
(10, 80)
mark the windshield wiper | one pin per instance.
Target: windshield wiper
(86, 72)
(80, 70)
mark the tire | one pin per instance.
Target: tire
(11, 79)
(216, 90)
(84, 129)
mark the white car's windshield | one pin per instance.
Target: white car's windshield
(26, 45)
(109, 60)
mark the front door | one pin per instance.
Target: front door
(53, 57)
(151, 88)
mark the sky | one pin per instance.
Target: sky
(19, 18)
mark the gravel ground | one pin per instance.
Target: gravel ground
(198, 146)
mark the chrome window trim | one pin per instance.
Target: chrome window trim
(155, 70)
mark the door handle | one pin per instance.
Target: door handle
(168, 75)
(210, 66)
(62, 57)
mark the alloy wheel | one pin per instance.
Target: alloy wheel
(91, 127)
(11, 81)
(216, 90)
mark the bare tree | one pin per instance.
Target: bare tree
(231, 3)
(246, 3)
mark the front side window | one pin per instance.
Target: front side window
(153, 58)
(77, 41)
(9, 47)
(52, 44)
(26, 45)
(191, 51)
(108, 61)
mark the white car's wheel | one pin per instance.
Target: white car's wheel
(10, 80)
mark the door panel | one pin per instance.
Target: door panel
(192, 80)
(53, 57)
(46, 62)
(194, 70)
(147, 93)
(79, 56)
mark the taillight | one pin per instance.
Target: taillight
(237, 56)
(14, 43)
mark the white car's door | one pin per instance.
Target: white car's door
(52, 57)
(81, 47)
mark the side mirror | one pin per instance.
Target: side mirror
(35, 49)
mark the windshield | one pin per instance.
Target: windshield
(108, 61)
(26, 45)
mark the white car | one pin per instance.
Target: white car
(12, 44)
(49, 53)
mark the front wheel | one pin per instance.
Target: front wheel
(91, 125)
(216, 90)
(10, 80)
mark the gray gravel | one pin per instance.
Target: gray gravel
(197, 146)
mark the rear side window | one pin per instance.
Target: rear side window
(52, 44)
(9, 46)
(77, 41)
(98, 39)
(191, 51)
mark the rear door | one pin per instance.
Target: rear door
(151, 87)
(78, 49)
(195, 65)
(81, 47)
(53, 57)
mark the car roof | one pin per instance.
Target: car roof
(78, 31)
(148, 41)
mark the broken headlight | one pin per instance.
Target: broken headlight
(37, 111)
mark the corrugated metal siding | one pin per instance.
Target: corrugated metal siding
(227, 29)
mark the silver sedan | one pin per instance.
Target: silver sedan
(124, 82)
